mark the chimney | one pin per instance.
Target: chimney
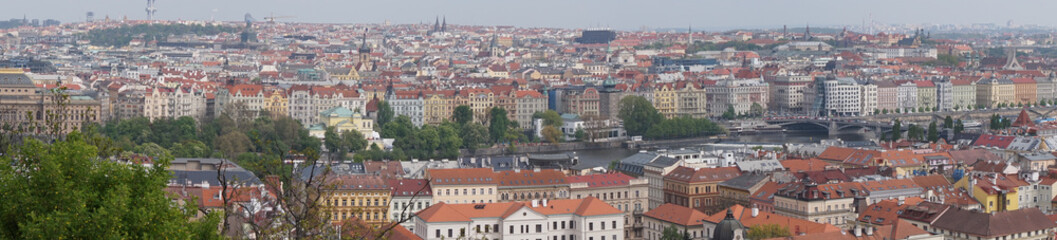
(755, 210)
(535, 203)
(869, 231)
(901, 201)
(544, 202)
(857, 231)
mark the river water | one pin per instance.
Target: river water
(602, 157)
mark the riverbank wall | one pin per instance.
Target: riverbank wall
(579, 146)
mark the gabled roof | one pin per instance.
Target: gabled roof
(887, 211)
(461, 176)
(994, 224)
(513, 178)
(444, 212)
(676, 214)
(602, 180)
(744, 215)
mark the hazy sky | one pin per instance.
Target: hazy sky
(619, 14)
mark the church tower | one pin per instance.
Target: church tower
(807, 33)
(365, 54)
(444, 25)
(493, 47)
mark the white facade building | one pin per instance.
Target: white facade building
(571, 219)
(907, 93)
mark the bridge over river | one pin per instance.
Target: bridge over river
(882, 123)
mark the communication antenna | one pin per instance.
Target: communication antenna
(151, 10)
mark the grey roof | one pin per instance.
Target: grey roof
(663, 162)
(15, 80)
(339, 169)
(640, 159)
(195, 177)
(632, 165)
(745, 181)
(765, 165)
(1024, 144)
(1036, 156)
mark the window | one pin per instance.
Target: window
(590, 226)
(438, 233)
(614, 225)
(539, 228)
(511, 229)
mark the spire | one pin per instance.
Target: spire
(807, 32)
(690, 36)
(444, 25)
(436, 24)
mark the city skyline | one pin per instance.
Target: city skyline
(620, 15)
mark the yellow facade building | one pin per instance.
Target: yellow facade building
(357, 196)
(995, 193)
(275, 102)
(664, 98)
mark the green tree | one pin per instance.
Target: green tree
(673, 233)
(876, 111)
(730, 114)
(353, 141)
(756, 110)
(462, 115)
(765, 231)
(63, 190)
(959, 127)
(385, 113)
(498, 123)
(897, 130)
(580, 134)
(233, 143)
(550, 118)
(332, 141)
(884, 111)
(915, 133)
(996, 122)
(191, 149)
(934, 134)
(473, 135)
(948, 122)
(552, 134)
(638, 115)
(153, 150)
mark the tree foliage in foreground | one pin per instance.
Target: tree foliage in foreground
(766, 231)
(65, 191)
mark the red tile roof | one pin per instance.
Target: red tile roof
(886, 212)
(602, 180)
(461, 176)
(409, 187)
(444, 212)
(676, 214)
(529, 178)
(796, 226)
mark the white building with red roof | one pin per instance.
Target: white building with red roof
(571, 219)
(626, 193)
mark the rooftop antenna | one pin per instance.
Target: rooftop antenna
(151, 10)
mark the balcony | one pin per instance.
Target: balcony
(636, 226)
